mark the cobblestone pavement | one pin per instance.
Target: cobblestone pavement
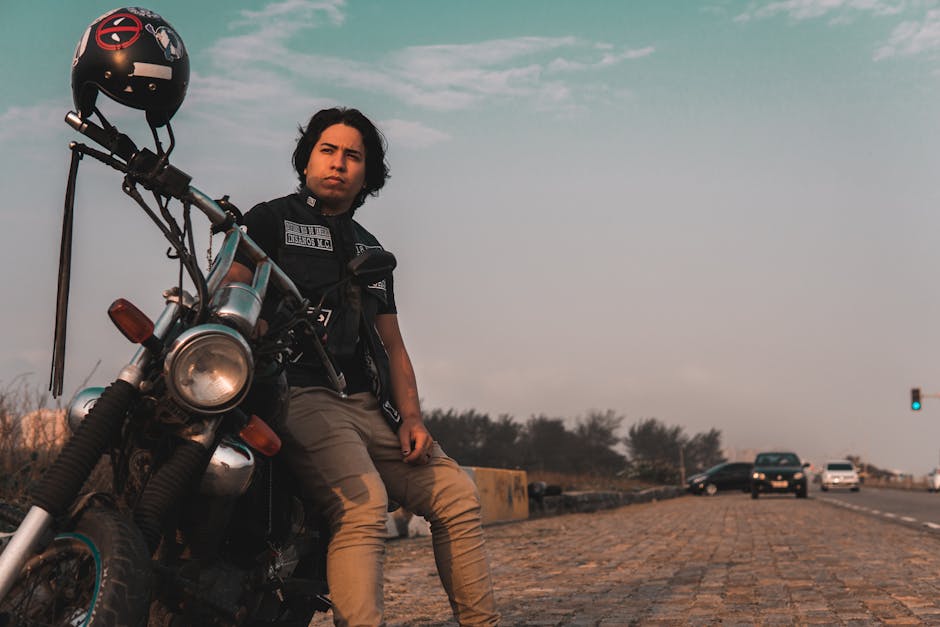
(690, 561)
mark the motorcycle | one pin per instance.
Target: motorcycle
(201, 523)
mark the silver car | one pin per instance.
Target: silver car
(839, 474)
(933, 480)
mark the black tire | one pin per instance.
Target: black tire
(97, 575)
(754, 493)
(801, 493)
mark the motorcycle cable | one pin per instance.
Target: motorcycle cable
(174, 236)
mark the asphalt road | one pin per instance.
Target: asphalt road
(918, 508)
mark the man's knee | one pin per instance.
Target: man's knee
(359, 506)
(457, 499)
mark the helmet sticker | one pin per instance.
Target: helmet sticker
(118, 31)
(147, 13)
(80, 49)
(153, 70)
(168, 39)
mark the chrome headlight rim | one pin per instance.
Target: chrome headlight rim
(185, 345)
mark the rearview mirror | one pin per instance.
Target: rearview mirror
(371, 265)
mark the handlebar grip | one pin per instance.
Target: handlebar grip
(115, 141)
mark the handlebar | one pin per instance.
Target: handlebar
(113, 140)
(154, 173)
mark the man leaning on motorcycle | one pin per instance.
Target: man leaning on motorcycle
(355, 451)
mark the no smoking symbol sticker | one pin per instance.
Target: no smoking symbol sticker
(118, 31)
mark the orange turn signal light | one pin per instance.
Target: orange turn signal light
(259, 436)
(131, 321)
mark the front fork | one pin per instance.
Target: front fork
(64, 479)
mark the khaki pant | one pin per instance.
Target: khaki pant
(349, 461)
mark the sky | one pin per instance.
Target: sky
(719, 214)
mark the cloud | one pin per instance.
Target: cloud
(296, 12)
(39, 119)
(813, 9)
(435, 77)
(912, 38)
(413, 134)
(606, 60)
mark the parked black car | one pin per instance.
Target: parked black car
(778, 472)
(726, 476)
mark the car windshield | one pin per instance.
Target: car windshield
(714, 469)
(777, 459)
(839, 466)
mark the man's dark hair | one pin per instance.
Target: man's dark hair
(376, 167)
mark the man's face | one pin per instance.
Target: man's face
(336, 170)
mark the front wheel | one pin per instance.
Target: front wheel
(96, 575)
(711, 489)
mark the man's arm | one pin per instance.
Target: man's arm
(415, 439)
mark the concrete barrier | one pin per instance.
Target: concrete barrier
(503, 496)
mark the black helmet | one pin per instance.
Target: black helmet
(135, 57)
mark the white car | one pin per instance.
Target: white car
(839, 473)
(933, 480)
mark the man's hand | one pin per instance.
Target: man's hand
(415, 440)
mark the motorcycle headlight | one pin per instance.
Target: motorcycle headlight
(208, 369)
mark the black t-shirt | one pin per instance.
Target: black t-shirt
(313, 250)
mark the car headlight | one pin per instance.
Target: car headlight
(208, 368)
(797, 476)
(759, 476)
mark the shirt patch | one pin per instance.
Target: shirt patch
(307, 235)
(324, 317)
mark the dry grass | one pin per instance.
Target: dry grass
(31, 435)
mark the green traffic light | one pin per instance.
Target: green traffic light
(915, 406)
(915, 399)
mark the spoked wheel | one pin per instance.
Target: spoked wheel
(97, 575)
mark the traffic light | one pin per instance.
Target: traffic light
(915, 399)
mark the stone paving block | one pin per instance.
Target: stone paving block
(726, 560)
